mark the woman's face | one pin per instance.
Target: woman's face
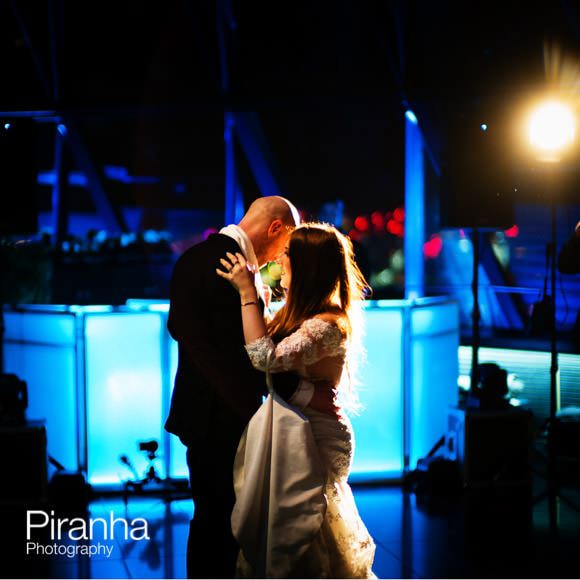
(286, 270)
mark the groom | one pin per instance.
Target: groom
(217, 390)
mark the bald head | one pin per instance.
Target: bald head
(268, 223)
(268, 209)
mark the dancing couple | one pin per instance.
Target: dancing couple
(269, 479)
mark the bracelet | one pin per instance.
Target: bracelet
(248, 303)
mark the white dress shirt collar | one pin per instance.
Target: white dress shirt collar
(240, 236)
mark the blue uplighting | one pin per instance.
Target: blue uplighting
(124, 395)
(116, 392)
(414, 209)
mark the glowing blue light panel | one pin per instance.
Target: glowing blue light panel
(379, 426)
(124, 401)
(105, 375)
(40, 349)
(432, 374)
(177, 463)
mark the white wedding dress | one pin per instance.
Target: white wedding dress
(295, 515)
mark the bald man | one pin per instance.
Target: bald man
(216, 388)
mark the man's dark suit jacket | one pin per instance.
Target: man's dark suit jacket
(216, 388)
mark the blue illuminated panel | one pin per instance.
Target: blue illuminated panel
(124, 404)
(40, 349)
(117, 356)
(379, 427)
(178, 465)
(432, 374)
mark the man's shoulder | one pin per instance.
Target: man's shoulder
(212, 248)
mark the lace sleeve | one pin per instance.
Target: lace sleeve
(258, 350)
(313, 341)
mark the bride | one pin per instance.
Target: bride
(307, 525)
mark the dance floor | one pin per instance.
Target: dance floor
(416, 537)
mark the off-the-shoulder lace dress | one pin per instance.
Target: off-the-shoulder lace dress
(343, 548)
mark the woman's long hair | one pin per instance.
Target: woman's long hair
(325, 278)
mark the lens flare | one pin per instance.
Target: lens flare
(551, 128)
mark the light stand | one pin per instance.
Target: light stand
(552, 492)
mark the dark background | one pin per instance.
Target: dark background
(147, 86)
(330, 81)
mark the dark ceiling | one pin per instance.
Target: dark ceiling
(330, 81)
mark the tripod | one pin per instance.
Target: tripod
(150, 476)
(552, 492)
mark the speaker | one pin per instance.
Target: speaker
(490, 445)
(478, 183)
(18, 189)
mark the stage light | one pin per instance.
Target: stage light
(378, 220)
(411, 116)
(433, 247)
(396, 225)
(361, 223)
(551, 130)
(6, 126)
(483, 127)
(512, 232)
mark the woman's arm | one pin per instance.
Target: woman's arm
(315, 339)
(261, 346)
(239, 274)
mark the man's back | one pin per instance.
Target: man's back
(216, 389)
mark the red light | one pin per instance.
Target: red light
(399, 214)
(395, 228)
(433, 247)
(512, 232)
(361, 223)
(354, 235)
(378, 220)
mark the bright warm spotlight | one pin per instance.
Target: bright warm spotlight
(551, 129)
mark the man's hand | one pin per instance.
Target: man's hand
(324, 398)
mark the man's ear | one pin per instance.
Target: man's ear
(275, 228)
